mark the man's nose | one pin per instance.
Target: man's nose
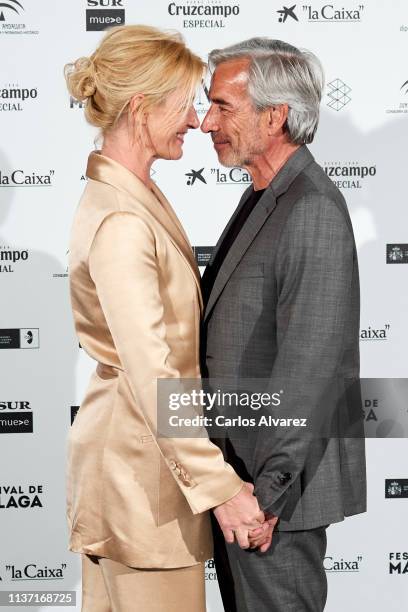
(209, 123)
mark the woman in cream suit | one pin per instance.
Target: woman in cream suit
(137, 503)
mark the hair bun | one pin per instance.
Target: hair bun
(81, 78)
(88, 87)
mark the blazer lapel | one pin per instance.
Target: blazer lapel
(106, 170)
(253, 224)
(179, 238)
(241, 203)
(279, 185)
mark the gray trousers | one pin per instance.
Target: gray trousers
(288, 578)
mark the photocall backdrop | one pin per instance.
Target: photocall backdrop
(361, 143)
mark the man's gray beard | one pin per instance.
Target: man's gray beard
(237, 162)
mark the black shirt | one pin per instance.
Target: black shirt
(213, 268)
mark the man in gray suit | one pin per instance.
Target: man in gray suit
(282, 305)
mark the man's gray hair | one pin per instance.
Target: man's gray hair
(281, 74)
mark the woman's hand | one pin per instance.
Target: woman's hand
(262, 536)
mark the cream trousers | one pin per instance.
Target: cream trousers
(109, 586)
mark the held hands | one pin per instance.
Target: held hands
(262, 536)
(242, 517)
(238, 515)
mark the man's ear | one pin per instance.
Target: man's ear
(276, 117)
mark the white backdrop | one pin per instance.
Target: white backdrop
(44, 146)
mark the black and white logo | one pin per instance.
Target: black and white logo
(16, 417)
(203, 13)
(327, 13)
(371, 334)
(334, 564)
(286, 12)
(203, 255)
(11, 14)
(22, 178)
(338, 94)
(397, 253)
(104, 14)
(231, 176)
(333, 13)
(14, 98)
(21, 496)
(195, 175)
(24, 338)
(11, 5)
(218, 176)
(11, 259)
(398, 563)
(396, 488)
(350, 174)
(35, 571)
(400, 106)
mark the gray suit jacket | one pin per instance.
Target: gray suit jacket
(285, 307)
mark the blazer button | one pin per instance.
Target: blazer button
(284, 477)
(172, 464)
(185, 478)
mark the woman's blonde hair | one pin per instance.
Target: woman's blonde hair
(130, 60)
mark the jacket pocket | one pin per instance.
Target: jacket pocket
(248, 270)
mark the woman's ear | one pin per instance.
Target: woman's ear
(134, 105)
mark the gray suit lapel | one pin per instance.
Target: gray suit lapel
(241, 203)
(279, 185)
(243, 241)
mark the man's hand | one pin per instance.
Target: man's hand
(262, 536)
(238, 515)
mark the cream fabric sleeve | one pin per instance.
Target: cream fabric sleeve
(123, 266)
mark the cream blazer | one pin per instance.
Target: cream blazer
(135, 289)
